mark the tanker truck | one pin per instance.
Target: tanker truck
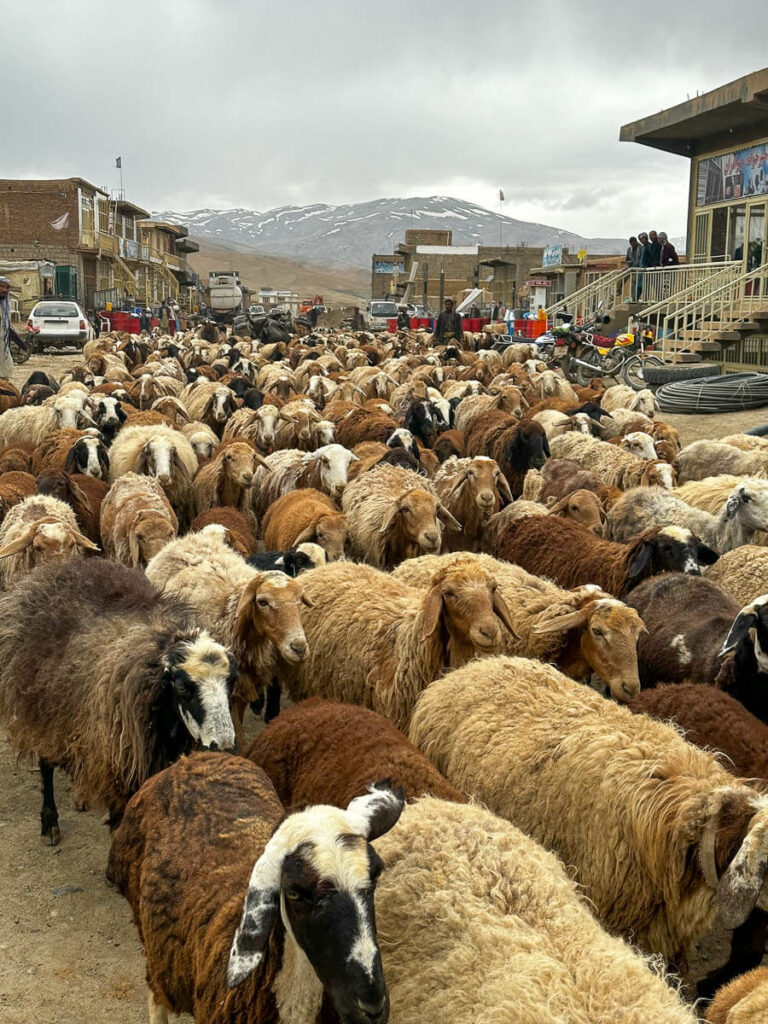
(225, 296)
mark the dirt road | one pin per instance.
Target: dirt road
(68, 947)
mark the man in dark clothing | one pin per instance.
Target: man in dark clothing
(314, 315)
(652, 251)
(358, 320)
(403, 320)
(667, 254)
(448, 326)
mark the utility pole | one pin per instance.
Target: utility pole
(442, 289)
(501, 222)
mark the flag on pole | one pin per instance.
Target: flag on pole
(501, 196)
(119, 162)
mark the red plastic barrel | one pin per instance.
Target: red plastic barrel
(424, 322)
(414, 323)
(392, 325)
(134, 323)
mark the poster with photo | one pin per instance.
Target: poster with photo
(736, 175)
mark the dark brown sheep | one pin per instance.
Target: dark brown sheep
(98, 677)
(516, 445)
(83, 493)
(235, 943)
(571, 555)
(321, 752)
(10, 396)
(688, 619)
(450, 442)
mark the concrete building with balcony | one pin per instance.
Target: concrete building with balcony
(428, 266)
(103, 247)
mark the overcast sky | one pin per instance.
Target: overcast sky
(226, 103)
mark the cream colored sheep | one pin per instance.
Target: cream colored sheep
(40, 529)
(478, 924)
(377, 642)
(392, 514)
(325, 469)
(137, 520)
(623, 798)
(611, 463)
(157, 451)
(584, 632)
(621, 396)
(624, 421)
(743, 572)
(703, 459)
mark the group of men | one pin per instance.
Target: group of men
(648, 251)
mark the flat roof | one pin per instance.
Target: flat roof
(125, 204)
(174, 229)
(738, 109)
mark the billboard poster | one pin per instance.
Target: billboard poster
(388, 267)
(553, 256)
(736, 175)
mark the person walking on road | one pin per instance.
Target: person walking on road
(448, 326)
(7, 333)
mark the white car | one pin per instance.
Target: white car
(59, 320)
(378, 313)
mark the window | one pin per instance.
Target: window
(55, 309)
(736, 223)
(385, 309)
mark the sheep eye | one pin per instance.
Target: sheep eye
(262, 602)
(450, 593)
(598, 632)
(293, 894)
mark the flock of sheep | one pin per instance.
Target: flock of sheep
(525, 640)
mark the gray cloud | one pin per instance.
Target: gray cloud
(228, 103)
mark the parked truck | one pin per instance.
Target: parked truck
(225, 296)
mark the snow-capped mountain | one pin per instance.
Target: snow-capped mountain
(347, 236)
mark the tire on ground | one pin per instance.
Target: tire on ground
(657, 375)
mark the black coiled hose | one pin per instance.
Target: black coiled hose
(730, 392)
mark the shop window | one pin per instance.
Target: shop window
(717, 247)
(736, 224)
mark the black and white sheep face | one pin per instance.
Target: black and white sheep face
(202, 676)
(319, 871)
(88, 456)
(674, 549)
(751, 627)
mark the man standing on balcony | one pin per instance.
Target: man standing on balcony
(643, 245)
(652, 252)
(668, 256)
(7, 333)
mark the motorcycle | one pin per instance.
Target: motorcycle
(587, 355)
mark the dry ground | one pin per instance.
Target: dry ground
(68, 948)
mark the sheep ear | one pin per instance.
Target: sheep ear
(244, 607)
(505, 492)
(179, 465)
(744, 621)
(640, 562)
(306, 535)
(133, 542)
(433, 606)
(378, 811)
(561, 506)
(545, 446)
(307, 600)
(706, 555)
(15, 546)
(70, 466)
(389, 521)
(735, 501)
(260, 909)
(562, 623)
(500, 607)
(280, 561)
(103, 460)
(142, 463)
(448, 519)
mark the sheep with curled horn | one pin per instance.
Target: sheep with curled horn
(101, 677)
(290, 938)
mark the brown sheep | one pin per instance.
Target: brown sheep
(516, 445)
(571, 555)
(306, 515)
(743, 1001)
(280, 947)
(137, 520)
(472, 490)
(238, 532)
(581, 507)
(450, 442)
(15, 487)
(227, 479)
(83, 493)
(10, 396)
(17, 458)
(361, 425)
(320, 752)
(561, 477)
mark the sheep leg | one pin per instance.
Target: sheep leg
(237, 707)
(274, 693)
(49, 816)
(748, 945)
(157, 1013)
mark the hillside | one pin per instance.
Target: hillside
(257, 270)
(347, 236)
